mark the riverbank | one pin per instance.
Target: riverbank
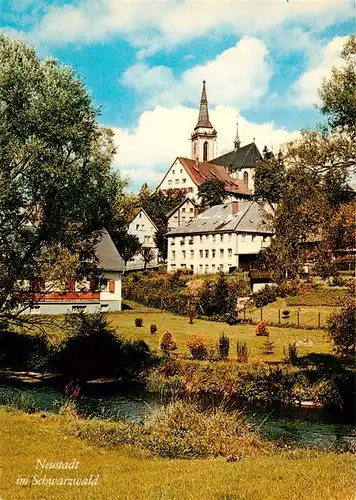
(125, 473)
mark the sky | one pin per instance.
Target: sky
(144, 61)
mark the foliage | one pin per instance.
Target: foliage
(267, 347)
(319, 297)
(291, 354)
(181, 431)
(261, 329)
(57, 189)
(167, 342)
(264, 296)
(342, 328)
(338, 92)
(93, 350)
(128, 245)
(212, 192)
(21, 401)
(147, 254)
(197, 347)
(224, 346)
(242, 352)
(138, 322)
(216, 297)
(270, 177)
(21, 351)
(191, 309)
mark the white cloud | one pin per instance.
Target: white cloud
(152, 25)
(146, 152)
(305, 90)
(238, 76)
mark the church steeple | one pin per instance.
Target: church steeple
(204, 135)
(203, 119)
(237, 142)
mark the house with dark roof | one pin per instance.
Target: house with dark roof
(86, 295)
(224, 237)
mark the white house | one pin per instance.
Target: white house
(84, 296)
(142, 226)
(186, 211)
(224, 237)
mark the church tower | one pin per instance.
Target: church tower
(204, 135)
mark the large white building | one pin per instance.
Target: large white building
(225, 237)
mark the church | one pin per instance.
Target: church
(235, 168)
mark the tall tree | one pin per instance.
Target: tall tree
(127, 244)
(212, 192)
(57, 189)
(147, 254)
(338, 92)
(270, 177)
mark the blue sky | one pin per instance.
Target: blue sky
(144, 62)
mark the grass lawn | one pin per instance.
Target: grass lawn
(309, 315)
(124, 474)
(124, 323)
(181, 329)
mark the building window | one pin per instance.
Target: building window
(173, 171)
(182, 241)
(201, 253)
(206, 254)
(221, 237)
(245, 178)
(137, 226)
(230, 236)
(183, 218)
(201, 239)
(191, 210)
(205, 151)
(183, 254)
(213, 268)
(147, 240)
(206, 268)
(173, 254)
(183, 266)
(192, 254)
(221, 252)
(170, 182)
(243, 236)
(183, 209)
(104, 307)
(176, 181)
(253, 237)
(190, 190)
(184, 181)
(213, 253)
(140, 215)
(78, 308)
(181, 170)
(229, 252)
(214, 238)
(200, 268)
(173, 242)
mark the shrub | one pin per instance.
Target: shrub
(92, 350)
(261, 329)
(21, 351)
(153, 328)
(224, 346)
(264, 296)
(267, 347)
(22, 402)
(242, 352)
(183, 431)
(216, 298)
(291, 354)
(191, 312)
(138, 322)
(197, 347)
(167, 342)
(342, 328)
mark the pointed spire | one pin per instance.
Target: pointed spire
(203, 120)
(237, 138)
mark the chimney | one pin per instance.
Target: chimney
(235, 207)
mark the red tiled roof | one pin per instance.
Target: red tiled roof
(203, 171)
(134, 213)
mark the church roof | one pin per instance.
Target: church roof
(247, 156)
(203, 119)
(200, 172)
